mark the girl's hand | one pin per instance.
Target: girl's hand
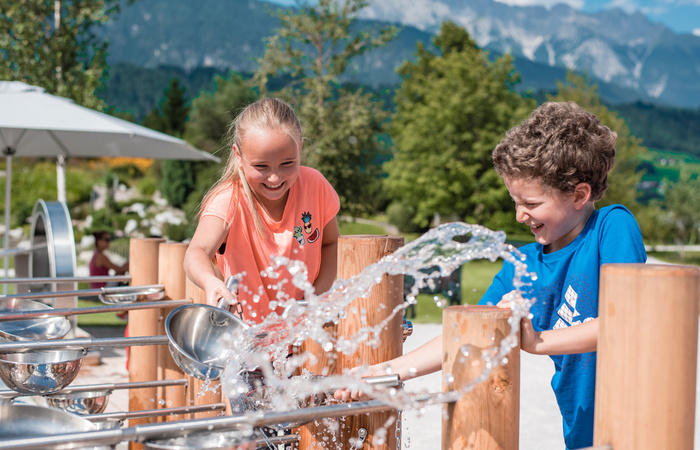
(216, 290)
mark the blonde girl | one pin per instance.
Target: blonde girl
(265, 203)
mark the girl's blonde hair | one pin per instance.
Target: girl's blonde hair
(267, 114)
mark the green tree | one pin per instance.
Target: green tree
(177, 177)
(55, 44)
(313, 47)
(681, 209)
(452, 109)
(629, 152)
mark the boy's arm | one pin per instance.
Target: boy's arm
(582, 338)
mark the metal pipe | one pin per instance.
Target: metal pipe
(163, 430)
(86, 343)
(46, 313)
(90, 292)
(19, 251)
(45, 280)
(125, 415)
(105, 387)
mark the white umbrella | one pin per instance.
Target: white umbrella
(34, 123)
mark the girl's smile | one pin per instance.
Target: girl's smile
(270, 161)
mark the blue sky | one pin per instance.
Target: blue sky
(682, 16)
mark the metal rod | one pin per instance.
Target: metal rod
(125, 415)
(162, 430)
(46, 313)
(86, 343)
(90, 292)
(46, 280)
(103, 387)
(19, 251)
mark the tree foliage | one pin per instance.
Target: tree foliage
(623, 178)
(452, 109)
(177, 177)
(680, 210)
(54, 44)
(343, 127)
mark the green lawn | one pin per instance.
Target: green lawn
(109, 319)
(476, 278)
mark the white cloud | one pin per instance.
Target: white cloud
(696, 32)
(576, 4)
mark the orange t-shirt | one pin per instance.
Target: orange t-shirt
(311, 204)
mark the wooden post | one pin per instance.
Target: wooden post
(355, 253)
(171, 275)
(143, 266)
(647, 356)
(487, 417)
(199, 393)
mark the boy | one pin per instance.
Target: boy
(555, 166)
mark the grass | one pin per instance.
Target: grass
(108, 319)
(476, 278)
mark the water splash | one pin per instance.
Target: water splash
(436, 254)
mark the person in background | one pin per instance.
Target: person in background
(100, 264)
(555, 166)
(265, 203)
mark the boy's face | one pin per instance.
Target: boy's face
(554, 217)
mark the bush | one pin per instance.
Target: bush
(401, 216)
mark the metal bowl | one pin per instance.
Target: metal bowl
(82, 403)
(41, 372)
(29, 421)
(195, 335)
(227, 440)
(31, 329)
(118, 298)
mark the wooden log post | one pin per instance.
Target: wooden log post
(171, 275)
(355, 253)
(143, 266)
(487, 416)
(200, 392)
(647, 356)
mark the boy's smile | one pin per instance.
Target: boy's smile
(554, 217)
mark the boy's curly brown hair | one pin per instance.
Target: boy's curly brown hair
(560, 144)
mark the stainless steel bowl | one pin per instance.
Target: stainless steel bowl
(41, 372)
(82, 403)
(31, 329)
(116, 298)
(29, 421)
(227, 440)
(196, 334)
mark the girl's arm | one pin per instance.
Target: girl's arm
(329, 257)
(210, 233)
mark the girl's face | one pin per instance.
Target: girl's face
(270, 161)
(554, 217)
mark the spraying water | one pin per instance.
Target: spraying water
(436, 254)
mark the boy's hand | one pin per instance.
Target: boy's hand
(345, 395)
(528, 336)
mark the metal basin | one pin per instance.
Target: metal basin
(112, 297)
(195, 334)
(29, 421)
(227, 440)
(31, 329)
(82, 403)
(41, 372)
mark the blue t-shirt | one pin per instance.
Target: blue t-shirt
(566, 293)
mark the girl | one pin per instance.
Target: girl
(264, 204)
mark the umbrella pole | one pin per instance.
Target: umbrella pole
(8, 186)
(61, 178)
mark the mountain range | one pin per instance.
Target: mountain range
(627, 56)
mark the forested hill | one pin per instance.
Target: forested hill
(137, 90)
